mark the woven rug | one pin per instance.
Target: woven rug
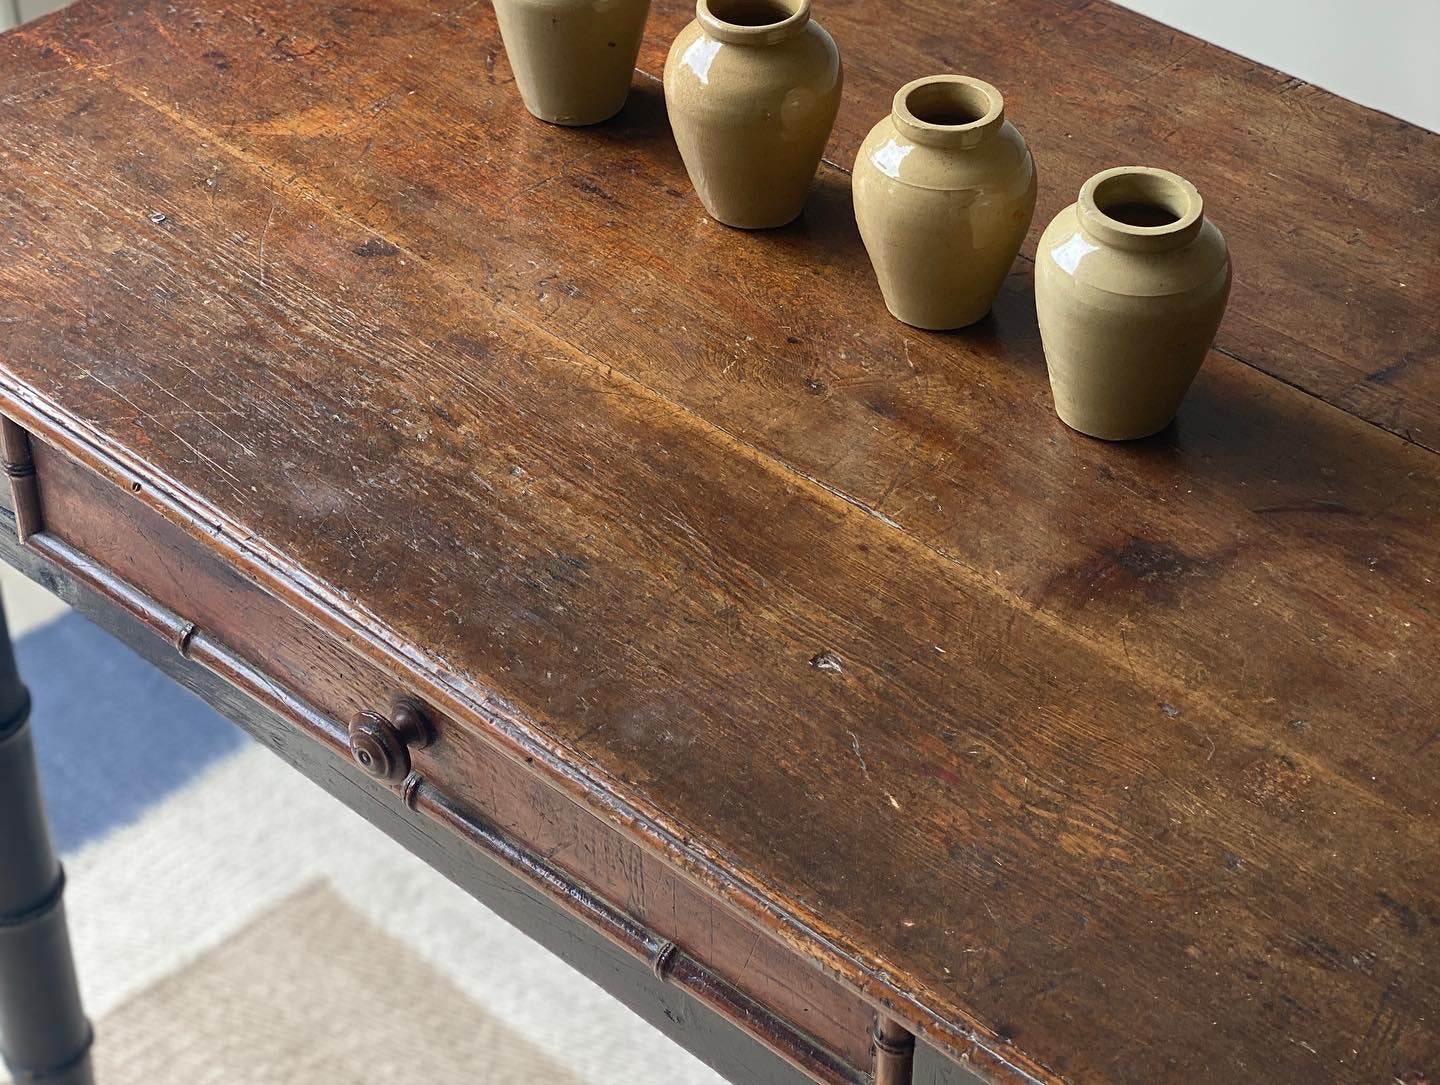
(234, 924)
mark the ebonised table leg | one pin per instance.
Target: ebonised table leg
(44, 1035)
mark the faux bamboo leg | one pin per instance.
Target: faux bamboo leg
(44, 1035)
(894, 1052)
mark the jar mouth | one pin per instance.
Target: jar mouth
(948, 110)
(752, 22)
(1141, 207)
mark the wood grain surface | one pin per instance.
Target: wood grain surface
(1332, 211)
(1094, 763)
(667, 1007)
(102, 519)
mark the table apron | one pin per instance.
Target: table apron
(48, 490)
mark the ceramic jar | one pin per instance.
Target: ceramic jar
(944, 192)
(1131, 281)
(573, 59)
(752, 88)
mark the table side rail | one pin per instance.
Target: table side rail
(423, 794)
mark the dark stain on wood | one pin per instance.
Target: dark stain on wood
(1388, 373)
(377, 246)
(1404, 914)
(556, 572)
(1321, 505)
(1153, 569)
(471, 346)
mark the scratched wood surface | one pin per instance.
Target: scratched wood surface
(1109, 763)
(1331, 210)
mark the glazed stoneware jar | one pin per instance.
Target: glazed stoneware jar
(752, 88)
(944, 193)
(573, 59)
(1131, 281)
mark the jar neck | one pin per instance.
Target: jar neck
(948, 111)
(752, 22)
(1141, 209)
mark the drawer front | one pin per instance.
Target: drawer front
(104, 520)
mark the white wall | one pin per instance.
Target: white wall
(33, 9)
(1382, 53)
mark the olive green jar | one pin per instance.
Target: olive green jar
(1131, 281)
(752, 88)
(944, 193)
(573, 59)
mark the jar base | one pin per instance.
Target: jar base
(930, 324)
(742, 222)
(1115, 433)
(576, 119)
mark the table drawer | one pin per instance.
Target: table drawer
(103, 518)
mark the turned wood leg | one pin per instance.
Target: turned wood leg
(44, 1035)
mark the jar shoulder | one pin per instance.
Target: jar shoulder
(1002, 162)
(698, 64)
(1065, 252)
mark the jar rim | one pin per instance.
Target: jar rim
(711, 15)
(1107, 198)
(948, 110)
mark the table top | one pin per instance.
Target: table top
(1100, 763)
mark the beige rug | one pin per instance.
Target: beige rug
(312, 993)
(248, 930)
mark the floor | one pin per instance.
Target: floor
(27, 604)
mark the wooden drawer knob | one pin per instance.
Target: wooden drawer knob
(381, 744)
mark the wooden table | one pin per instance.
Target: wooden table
(786, 666)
